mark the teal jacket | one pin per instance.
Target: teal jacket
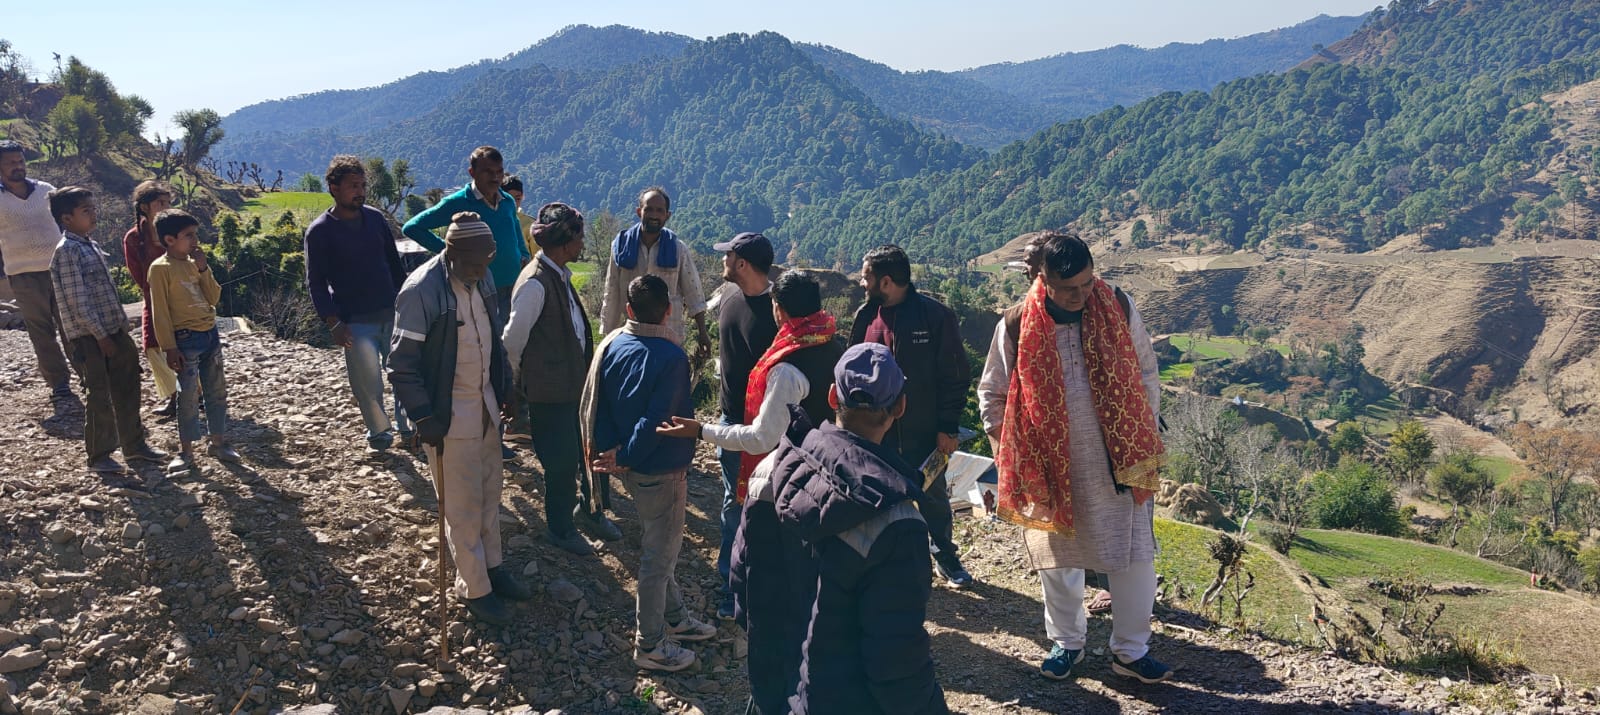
(510, 251)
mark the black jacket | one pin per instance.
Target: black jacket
(852, 506)
(772, 599)
(927, 345)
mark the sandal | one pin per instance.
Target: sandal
(1100, 603)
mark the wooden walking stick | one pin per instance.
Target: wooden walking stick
(444, 613)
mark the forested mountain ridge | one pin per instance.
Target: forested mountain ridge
(741, 130)
(985, 107)
(1076, 84)
(993, 105)
(947, 103)
(1456, 40)
(346, 111)
(1361, 152)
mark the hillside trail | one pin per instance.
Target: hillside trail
(303, 578)
(1448, 430)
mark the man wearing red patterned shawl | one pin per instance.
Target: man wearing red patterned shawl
(1070, 395)
(796, 370)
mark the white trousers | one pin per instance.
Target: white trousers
(1133, 597)
(472, 481)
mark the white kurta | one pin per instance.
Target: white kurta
(683, 289)
(1112, 531)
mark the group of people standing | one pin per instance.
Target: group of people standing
(64, 288)
(830, 530)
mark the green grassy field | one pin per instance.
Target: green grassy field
(1275, 607)
(1215, 348)
(304, 205)
(1339, 555)
(1176, 371)
(1381, 418)
(1219, 346)
(1501, 468)
(1552, 633)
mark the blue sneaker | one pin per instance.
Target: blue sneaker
(1058, 666)
(725, 607)
(1146, 669)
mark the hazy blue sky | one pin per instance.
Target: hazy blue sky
(187, 53)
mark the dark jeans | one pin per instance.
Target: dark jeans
(37, 298)
(557, 442)
(731, 509)
(111, 402)
(935, 507)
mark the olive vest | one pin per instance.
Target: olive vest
(554, 363)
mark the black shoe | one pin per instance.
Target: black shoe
(490, 609)
(598, 525)
(572, 542)
(144, 453)
(506, 584)
(63, 399)
(507, 454)
(954, 574)
(106, 465)
(168, 411)
(381, 441)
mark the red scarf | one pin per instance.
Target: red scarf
(1034, 463)
(794, 335)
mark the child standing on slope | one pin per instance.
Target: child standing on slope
(183, 305)
(97, 336)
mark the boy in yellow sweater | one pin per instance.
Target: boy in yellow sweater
(183, 306)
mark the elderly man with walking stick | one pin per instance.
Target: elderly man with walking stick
(449, 370)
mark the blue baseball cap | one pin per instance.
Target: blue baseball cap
(867, 377)
(752, 247)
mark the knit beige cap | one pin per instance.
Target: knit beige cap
(467, 228)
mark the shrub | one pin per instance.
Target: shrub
(1278, 536)
(1354, 496)
(1589, 562)
(127, 290)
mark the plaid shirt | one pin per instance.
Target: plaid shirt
(86, 299)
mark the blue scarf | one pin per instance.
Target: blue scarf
(625, 248)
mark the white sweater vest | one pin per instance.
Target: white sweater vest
(28, 234)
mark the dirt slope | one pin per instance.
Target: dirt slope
(1530, 311)
(308, 570)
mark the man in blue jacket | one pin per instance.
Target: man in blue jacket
(639, 379)
(852, 503)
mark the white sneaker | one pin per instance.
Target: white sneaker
(667, 656)
(691, 629)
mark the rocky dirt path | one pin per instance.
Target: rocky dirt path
(304, 578)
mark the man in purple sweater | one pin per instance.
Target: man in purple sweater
(353, 271)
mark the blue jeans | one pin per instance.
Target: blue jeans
(731, 508)
(201, 376)
(364, 362)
